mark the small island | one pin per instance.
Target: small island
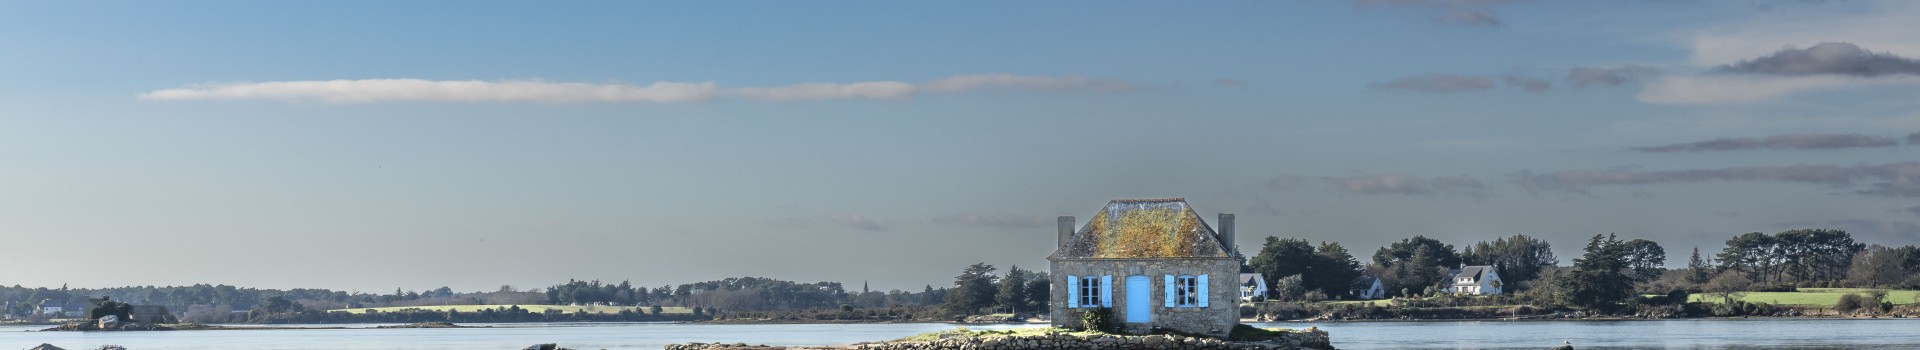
(1243, 337)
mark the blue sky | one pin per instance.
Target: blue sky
(368, 145)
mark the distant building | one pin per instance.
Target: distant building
(1253, 287)
(1154, 262)
(1367, 288)
(1475, 280)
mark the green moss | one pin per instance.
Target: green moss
(963, 332)
(1251, 333)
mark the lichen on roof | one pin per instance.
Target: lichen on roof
(1144, 228)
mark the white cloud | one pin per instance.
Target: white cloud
(1881, 29)
(1729, 89)
(827, 91)
(1888, 27)
(419, 90)
(1020, 82)
(384, 90)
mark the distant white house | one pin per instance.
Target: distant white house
(1367, 288)
(1475, 280)
(1252, 286)
(53, 311)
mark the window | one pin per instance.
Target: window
(1186, 291)
(1089, 291)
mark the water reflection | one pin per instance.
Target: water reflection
(1755, 334)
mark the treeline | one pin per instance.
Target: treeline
(1611, 273)
(512, 313)
(740, 294)
(1297, 270)
(744, 296)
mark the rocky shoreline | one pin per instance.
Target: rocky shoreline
(140, 327)
(1312, 339)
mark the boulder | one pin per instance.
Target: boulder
(547, 346)
(45, 346)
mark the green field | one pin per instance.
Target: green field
(1810, 296)
(596, 309)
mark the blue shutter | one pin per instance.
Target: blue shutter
(1203, 290)
(1106, 290)
(1170, 288)
(1073, 291)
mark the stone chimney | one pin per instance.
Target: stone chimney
(1226, 234)
(1066, 230)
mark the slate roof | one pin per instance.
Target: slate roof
(1475, 272)
(1144, 228)
(1363, 283)
(1249, 278)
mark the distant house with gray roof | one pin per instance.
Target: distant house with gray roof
(1253, 287)
(1154, 262)
(1367, 288)
(1475, 280)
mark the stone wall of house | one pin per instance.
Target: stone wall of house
(1290, 341)
(1217, 319)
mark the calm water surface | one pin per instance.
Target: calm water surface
(1803, 334)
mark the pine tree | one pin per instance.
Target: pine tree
(1012, 290)
(1599, 279)
(1699, 271)
(972, 290)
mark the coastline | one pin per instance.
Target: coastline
(83, 327)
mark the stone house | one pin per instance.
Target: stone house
(1475, 280)
(1154, 262)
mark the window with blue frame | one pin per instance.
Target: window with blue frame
(1186, 291)
(1089, 291)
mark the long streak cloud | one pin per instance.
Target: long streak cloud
(538, 91)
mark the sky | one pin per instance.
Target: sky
(369, 145)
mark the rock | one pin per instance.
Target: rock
(547, 346)
(1565, 346)
(1157, 340)
(45, 346)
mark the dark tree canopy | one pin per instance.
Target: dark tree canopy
(1599, 278)
(1011, 293)
(1645, 259)
(1438, 254)
(1282, 257)
(1518, 259)
(1414, 265)
(1332, 270)
(1328, 269)
(1699, 270)
(1795, 255)
(972, 289)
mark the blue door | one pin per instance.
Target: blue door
(1139, 300)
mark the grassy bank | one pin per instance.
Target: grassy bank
(591, 309)
(1243, 332)
(1809, 296)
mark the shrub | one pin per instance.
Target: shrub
(1099, 320)
(1250, 333)
(1852, 302)
(1741, 308)
(1677, 297)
